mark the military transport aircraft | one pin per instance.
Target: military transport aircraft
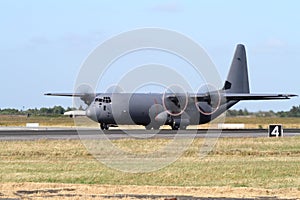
(175, 109)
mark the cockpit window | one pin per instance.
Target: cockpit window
(104, 100)
(98, 100)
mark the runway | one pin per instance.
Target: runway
(7, 134)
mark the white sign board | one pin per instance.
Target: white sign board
(32, 125)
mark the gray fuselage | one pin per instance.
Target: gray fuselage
(152, 110)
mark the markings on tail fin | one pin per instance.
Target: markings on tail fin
(227, 85)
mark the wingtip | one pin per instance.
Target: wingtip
(289, 96)
(293, 95)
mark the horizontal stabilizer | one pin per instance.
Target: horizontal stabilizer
(240, 96)
(243, 96)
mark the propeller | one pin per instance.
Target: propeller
(175, 100)
(208, 99)
(87, 95)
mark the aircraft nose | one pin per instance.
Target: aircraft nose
(92, 113)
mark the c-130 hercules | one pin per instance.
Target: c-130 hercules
(153, 110)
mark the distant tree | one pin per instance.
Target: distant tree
(282, 114)
(34, 111)
(294, 111)
(10, 111)
(240, 112)
(245, 112)
(232, 113)
(58, 110)
(70, 109)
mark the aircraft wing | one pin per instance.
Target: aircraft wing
(66, 94)
(86, 97)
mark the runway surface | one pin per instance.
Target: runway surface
(74, 134)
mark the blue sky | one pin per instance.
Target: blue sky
(44, 43)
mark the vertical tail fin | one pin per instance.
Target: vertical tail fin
(237, 79)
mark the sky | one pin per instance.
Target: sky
(44, 43)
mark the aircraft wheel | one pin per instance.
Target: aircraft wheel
(101, 126)
(175, 127)
(104, 126)
(154, 127)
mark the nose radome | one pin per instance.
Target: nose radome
(91, 112)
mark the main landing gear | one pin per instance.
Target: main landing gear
(154, 127)
(104, 126)
(176, 126)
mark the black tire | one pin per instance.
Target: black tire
(104, 126)
(175, 127)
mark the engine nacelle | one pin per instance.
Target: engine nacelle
(210, 102)
(175, 100)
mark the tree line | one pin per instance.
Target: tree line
(293, 112)
(59, 110)
(54, 111)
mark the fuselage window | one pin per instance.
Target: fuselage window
(98, 100)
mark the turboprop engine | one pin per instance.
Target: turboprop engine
(208, 99)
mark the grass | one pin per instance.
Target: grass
(21, 120)
(58, 121)
(235, 162)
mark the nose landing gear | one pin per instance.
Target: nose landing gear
(104, 126)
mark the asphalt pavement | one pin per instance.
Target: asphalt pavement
(75, 134)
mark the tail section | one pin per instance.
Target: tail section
(237, 79)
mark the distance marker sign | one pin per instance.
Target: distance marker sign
(275, 130)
